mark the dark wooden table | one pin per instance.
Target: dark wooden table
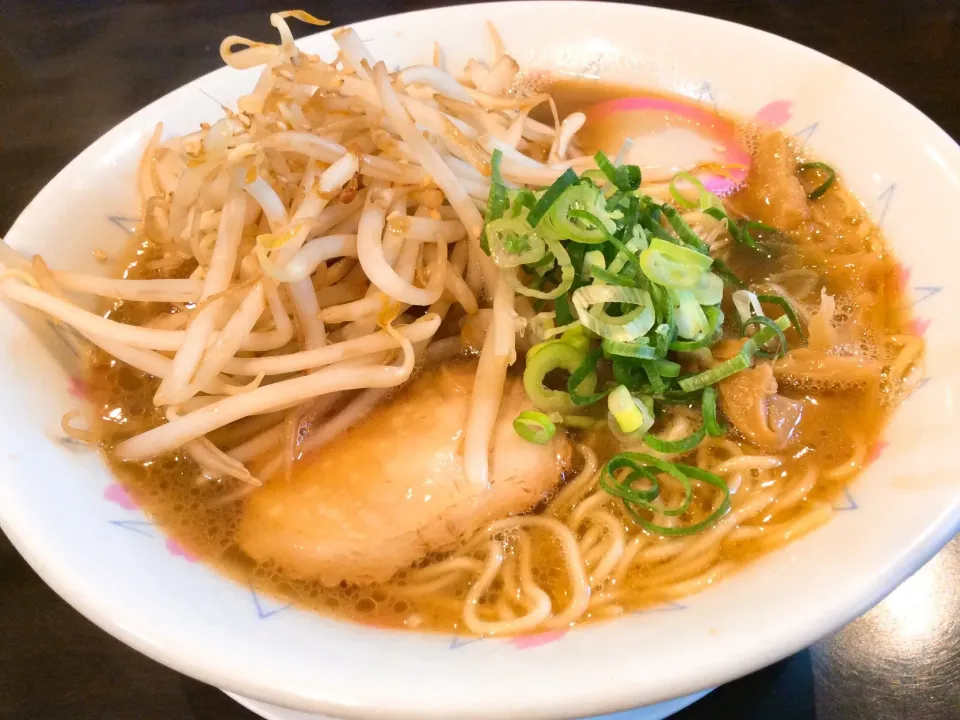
(70, 70)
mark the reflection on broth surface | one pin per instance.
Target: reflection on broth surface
(381, 525)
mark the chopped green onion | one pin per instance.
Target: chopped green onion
(714, 331)
(741, 361)
(586, 369)
(630, 414)
(709, 291)
(673, 266)
(567, 274)
(709, 408)
(597, 232)
(684, 231)
(592, 261)
(605, 276)
(740, 235)
(653, 376)
(565, 314)
(579, 203)
(594, 175)
(525, 199)
(692, 323)
(577, 336)
(675, 447)
(666, 331)
(551, 195)
(534, 427)
(752, 225)
(512, 243)
(543, 359)
(823, 167)
(667, 368)
(788, 310)
(653, 226)
(766, 334)
(644, 467)
(625, 178)
(630, 249)
(625, 253)
(628, 372)
(770, 324)
(626, 490)
(706, 198)
(641, 350)
(542, 266)
(497, 198)
(625, 328)
(681, 254)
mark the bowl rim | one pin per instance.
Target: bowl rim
(85, 597)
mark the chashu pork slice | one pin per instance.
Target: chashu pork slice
(393, 489)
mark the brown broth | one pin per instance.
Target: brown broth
(839, 244)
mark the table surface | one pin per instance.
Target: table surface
(69, 71)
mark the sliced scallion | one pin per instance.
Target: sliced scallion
(534, 427)
(773, 327)
(580, 214)
(692, 322)
(586, 369)
(788, 310)
(706, 199)
(709, 409)
(629, 413)
(673, 266)
(741, 361)
(653, 376)
(640, 350)
(625, 328)
(625, 178)
(524, 200)
(709, 291)
(551, 195)
(676, 447)
(545, 358)
(496, 199)
(818, 192)
(643, 468)
(567, 274)
(714, 331)
(592, 261)
(684, 231)
(513, 243)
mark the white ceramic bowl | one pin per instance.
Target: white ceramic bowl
(62, 510)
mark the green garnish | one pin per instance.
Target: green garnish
(676, 447)
(818, 192)
(547, 357)
(788, 310)
(709, 408)
(550, 196)
(645, 470)
(586, 369)
(534, 427)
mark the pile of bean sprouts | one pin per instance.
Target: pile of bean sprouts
(322, 231)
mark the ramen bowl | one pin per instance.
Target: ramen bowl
(66, 514)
